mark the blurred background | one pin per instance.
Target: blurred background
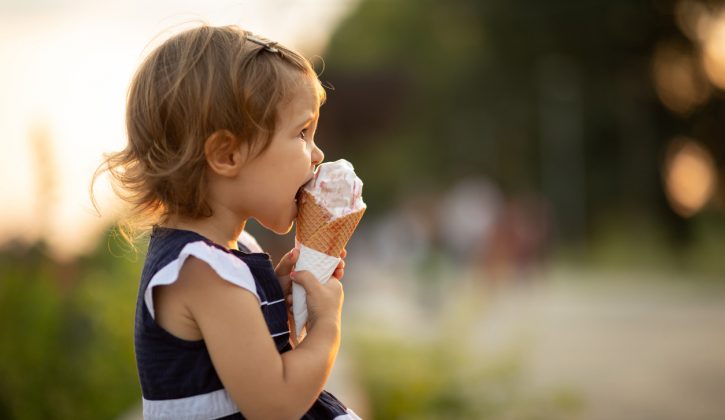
(545, 185)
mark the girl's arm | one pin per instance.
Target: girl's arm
(263, 383)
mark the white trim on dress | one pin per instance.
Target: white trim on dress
(228, 267)
(199, 407)
(351, 415)
(208, 406)
(248, 240)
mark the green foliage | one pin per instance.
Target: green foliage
(632, 243)
(442, 375)
(705, 256)
(67, 347)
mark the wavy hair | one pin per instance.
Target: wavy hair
(194, 84)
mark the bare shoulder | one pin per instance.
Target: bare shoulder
(198, 289)
(202, 289)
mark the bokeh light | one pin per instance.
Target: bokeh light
(714, 52)
(689, 176)
(678, 80)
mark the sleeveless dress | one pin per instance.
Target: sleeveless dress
(178, 380)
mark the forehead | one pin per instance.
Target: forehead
(303, 97)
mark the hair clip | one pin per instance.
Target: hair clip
(268, 45)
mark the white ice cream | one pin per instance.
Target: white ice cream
(336, 187)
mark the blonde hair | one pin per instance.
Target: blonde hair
(196, 83)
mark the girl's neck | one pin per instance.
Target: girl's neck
(224, 234)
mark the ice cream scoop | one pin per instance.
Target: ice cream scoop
(336, 188)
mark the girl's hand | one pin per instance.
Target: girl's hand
(324, 301)
(283, 270)
(287, 263)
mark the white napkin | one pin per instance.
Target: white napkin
(321, 266)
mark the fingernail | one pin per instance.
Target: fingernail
(292, 274)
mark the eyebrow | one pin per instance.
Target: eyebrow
(310, 117)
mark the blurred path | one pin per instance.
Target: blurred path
(633, 346)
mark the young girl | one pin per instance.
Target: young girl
(221, 128)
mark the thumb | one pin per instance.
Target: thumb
(305, 279)
(287, 262)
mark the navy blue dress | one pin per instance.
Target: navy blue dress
(178, 380)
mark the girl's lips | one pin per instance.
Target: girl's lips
(299, 191)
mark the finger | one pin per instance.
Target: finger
(343, 254)
(291, 257)
(305, 279)
(341, 264)
(288, 261)
(339, 274)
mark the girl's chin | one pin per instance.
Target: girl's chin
(282, 226)
(283, 231)
(287, 217)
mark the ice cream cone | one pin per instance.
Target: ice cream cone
(329, 209)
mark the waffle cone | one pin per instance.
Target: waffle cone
(316, 229)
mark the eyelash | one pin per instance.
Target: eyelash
(303, 134)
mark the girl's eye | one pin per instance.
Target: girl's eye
(303, 134)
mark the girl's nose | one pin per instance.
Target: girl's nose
(317, 156)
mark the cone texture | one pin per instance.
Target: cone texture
(316, 229)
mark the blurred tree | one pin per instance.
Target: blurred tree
(554, 97)
(67, 347)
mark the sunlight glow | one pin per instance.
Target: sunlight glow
(65, 73)
(714, 52)
(704, 24)
(689, 176)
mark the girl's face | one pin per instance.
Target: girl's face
(272, 179)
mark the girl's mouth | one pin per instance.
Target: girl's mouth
(298, 196)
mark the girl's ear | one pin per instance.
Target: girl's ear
(223, 154)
